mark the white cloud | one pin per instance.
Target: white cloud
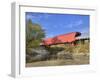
(74, 24)
(85, 29)
(49, 35)
(70, 25)
(46, 16)
(78, 23)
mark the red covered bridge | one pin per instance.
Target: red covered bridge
(60, 39)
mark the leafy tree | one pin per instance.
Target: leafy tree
(34, 34)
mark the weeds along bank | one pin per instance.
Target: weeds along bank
(62, 54)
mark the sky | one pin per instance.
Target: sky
(55, 24)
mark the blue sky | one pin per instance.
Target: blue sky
(55, 24)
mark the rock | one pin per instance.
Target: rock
(39, 54)
(28, 58)
(41, 51)
(37, 58)
(64, 55)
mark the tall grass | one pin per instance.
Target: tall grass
(62, 52)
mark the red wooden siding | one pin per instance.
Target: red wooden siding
(65, 38)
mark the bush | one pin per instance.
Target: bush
(33, 44)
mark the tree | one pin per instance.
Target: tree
(37, 32)
(34, 34)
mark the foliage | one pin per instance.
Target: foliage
(80, 48)
(34, 34)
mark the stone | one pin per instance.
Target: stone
(39, 54)
(64, 55)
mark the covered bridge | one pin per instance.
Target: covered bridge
(61, 39)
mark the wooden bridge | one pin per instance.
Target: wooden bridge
(61, 39)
